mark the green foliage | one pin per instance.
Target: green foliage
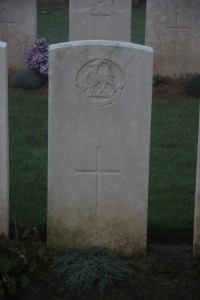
(18, 259)
(159, 80)
(90, 268)
(27, 79)
(13, 267)
(193, 85)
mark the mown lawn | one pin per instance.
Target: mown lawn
(173, 163)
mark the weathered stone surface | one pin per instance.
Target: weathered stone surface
(4, 202)
(100, 20)
(172, 29)
(18, 23)
(196, 240)
(99, 134)
(53, 1)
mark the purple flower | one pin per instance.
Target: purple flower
(37, 58)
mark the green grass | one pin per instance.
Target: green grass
(54, 26)
(173, 146)
(173, 164)
(28, 158)
(138, 26)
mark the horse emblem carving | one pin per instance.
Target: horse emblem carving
(101, 81)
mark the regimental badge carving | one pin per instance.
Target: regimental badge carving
(101, 82)
(101, 7)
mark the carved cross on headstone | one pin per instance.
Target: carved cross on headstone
(98, 172)
(4, 23)
(178, 31)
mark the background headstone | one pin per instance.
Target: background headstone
(99, 135)
(53, 1)
(18, 23)
(100, 20)
(172, 29)
(4, 197)
(196, 241)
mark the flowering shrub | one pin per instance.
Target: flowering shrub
(37, 58)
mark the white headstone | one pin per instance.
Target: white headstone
(4, 198)
(196, 240)
(172, 29)
(100, 20)
(18, 23)
(99, 135)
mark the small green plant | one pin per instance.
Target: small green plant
(27, 79)
(90, 268)
(13, 267)
(159, 80)
(193, 85)
(19, 258)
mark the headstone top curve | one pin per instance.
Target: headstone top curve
(101, 43)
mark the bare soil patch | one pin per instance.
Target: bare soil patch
(166, 272)
(173, 89)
